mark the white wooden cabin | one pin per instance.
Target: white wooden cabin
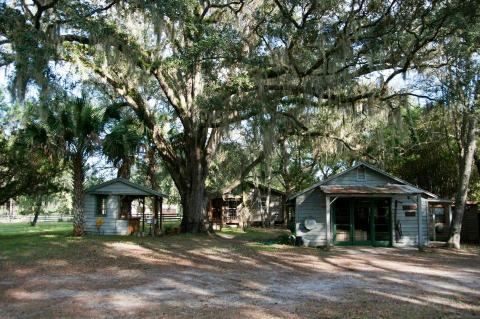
(117, 207)
(362, 206)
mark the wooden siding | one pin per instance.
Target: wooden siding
(372, 178)
(111, 225)
(275, 209)
(311, 205)
(409, 224)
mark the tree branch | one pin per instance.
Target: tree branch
(243, 174)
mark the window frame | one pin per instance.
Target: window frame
(98, 208)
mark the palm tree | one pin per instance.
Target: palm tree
(122, 144)
(74, 125)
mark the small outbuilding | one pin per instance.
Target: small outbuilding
(247, 205)
(117, 207)
(362, 206)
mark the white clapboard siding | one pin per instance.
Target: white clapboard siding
(372, 178)
(409, 224)
(111, 225)
(311, 205)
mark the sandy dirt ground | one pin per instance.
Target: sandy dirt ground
(216, 277)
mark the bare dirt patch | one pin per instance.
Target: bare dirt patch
(213, 277)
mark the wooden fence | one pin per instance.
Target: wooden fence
(29, 218)
(63, 218)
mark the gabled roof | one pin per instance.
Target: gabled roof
(364, 189)
(412, 188)
(265, 188)
(234, 192)
(148, 191)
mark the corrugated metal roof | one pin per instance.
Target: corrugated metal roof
(363, 189)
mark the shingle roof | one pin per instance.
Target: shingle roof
(146, 190)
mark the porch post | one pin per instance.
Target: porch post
(327, 221)
(419, 220)
(160, 206)
(143, 216)
(434, 228)
(393, 219)
(449, 215)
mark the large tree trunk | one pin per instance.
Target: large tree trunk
(189, 173)
(124, 171)
(194, 210)
(78, 195)
(193, 198)
(465, 170)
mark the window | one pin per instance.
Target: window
(361, 173)
(232, 208)
(125, 207)
(101, 205)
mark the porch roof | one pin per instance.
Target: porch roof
(410, 188)
(370, 190)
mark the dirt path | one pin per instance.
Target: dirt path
(240, 280)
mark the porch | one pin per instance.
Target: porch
(362, 221)
(387, 215)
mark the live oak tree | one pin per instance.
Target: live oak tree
(195, 56)
(191, 69)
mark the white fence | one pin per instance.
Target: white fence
(29, 218)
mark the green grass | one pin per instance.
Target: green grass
(25, 245)
(21, 229)
(252, 234)
(256, 239)
(21, 242)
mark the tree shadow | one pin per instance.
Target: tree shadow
(214, 276)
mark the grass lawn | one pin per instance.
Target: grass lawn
(24, 229)
(47, 273)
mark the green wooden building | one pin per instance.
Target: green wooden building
(362, 206)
